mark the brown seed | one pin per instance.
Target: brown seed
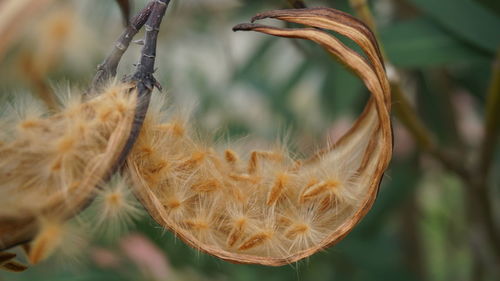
(30, 124)
(174, 128)
(158, 167)
(13, 266)
(296, 230)
(146, 149)
(231, 156)
(66, 144)
(197, 224)
(326, 203)
(314, 190)
(173, 204)
(6, 256)
(195, 160)
(256, 155)
(284, 221)
(254, 241)
(177, 129)
(206, 186)
(46, 242)
(245, 178)
(114, 199)
(237, 231)
(278, 189)
(57, 165)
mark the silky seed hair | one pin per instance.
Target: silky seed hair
(114, 208)
(50, 163)
(259, 202)
(267, 206)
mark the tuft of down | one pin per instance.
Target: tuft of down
(50, 163)
(115, 208)
(256, 203)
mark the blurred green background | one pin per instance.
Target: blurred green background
(243, 84)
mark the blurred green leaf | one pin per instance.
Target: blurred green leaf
(474, 77)
(493, 5)
(420, 43)
(256, 57)
(398, 186)
(434, 100)
(465, 19)
(341, 90)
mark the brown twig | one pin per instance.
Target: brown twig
(364, 12)
(424, 138)
(491, 122)
(107, 69)
(479, 188)
(150, 17)
(143, 77)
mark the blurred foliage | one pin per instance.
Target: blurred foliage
(252, 84)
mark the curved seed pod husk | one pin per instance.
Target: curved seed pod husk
(50, 164)
(267, 207)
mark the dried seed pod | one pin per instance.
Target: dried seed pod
(266, 207)
(51, 164)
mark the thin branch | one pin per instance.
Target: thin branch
(409, 118)
(479, 183)
(491, 122)
(143, 77)
(107, 69)
(424, 138)
(150, 17)
(364, 12)
(145, 68)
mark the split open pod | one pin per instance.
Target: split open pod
(266, 207)
(51, 163)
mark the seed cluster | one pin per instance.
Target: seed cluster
(260, 203)
(48, 162)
